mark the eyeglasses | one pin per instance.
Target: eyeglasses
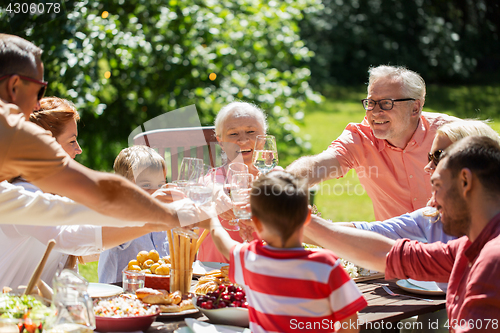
(44, 84)
(384, 104)
(435, 156)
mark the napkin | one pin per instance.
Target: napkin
(201, 327)
(427, 285)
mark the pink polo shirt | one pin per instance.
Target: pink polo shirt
(394, 178)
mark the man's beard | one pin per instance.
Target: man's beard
(457, 224)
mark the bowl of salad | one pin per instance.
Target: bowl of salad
(24, 313)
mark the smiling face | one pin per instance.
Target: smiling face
(454, 210)
(239, 132)
(441, 142)
(397, 125)
(68, 139)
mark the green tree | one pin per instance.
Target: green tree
(446, 41)
(126, 61)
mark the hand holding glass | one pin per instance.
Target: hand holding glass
(240, 193)
(265, 153)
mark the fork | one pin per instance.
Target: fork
(392, 293)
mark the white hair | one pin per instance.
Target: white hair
(239, 109)
(412, 84)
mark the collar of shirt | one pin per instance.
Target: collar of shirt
(489, 232)
(416, 139)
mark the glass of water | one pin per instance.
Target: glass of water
(201, 190)
(240, 194)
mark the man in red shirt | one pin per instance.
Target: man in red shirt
(466, 185)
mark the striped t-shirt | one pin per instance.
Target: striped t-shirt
(292, 290)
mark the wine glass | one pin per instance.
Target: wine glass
(190, 171)
(265, 153)
(233, 169)
(240, 193)
(200, 191)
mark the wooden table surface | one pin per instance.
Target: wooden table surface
(381, 310)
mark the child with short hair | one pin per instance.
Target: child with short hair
(288, 288)
(146, 168)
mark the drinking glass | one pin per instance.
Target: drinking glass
(201, 191)
(240, 193)
(233, 169)
(265, 153)
(190, 171)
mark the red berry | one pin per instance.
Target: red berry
(221, 305)
(239, 289)
(231, 288)
(239, 296)
(236, 303)
(244, 305)
(222, 288)
(226, 298)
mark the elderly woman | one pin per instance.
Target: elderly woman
(236, 128)
(21, 246)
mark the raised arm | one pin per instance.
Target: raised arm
(316, 168)
(221, 238)
(364, 248)
(111, 195)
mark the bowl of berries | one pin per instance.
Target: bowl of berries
(227, 305)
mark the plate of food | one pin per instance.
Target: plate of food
(420, 287)
(201, 268)
(97, 290)
(170, 304)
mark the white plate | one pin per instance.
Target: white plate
(169, 315)
(97, 290)
(405, 285)
(225, 316)
(203, 267)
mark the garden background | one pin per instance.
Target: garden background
(123, 62)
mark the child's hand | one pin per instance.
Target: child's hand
(246, 230)
(168, 195)
(224, 206)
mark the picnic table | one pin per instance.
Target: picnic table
(383, 311)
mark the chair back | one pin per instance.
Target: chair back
(175, 143)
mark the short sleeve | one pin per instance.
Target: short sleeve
(29, 151)
(345, 298)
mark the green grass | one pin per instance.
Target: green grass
(89, 271)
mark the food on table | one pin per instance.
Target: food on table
(149, 262)
(182, 246)
(32, 311)
(168, 302)
(125, 305)
(232, 296)
(211, 281)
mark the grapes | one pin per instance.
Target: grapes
(225, 296)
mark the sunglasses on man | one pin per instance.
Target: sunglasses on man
(435, 156)
(41, 92)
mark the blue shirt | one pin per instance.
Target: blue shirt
(414, 225)
(113, 261)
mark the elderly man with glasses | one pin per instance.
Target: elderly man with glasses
(29, 151)
(388, 149)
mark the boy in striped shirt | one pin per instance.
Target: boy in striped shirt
(289, 288)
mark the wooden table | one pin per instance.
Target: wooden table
(383, 311)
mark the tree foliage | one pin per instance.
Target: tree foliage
(445, 41)
(147, 57)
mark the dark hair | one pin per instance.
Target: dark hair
(479, 154)
(18, 56)
(280, 201)
(54, 114)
